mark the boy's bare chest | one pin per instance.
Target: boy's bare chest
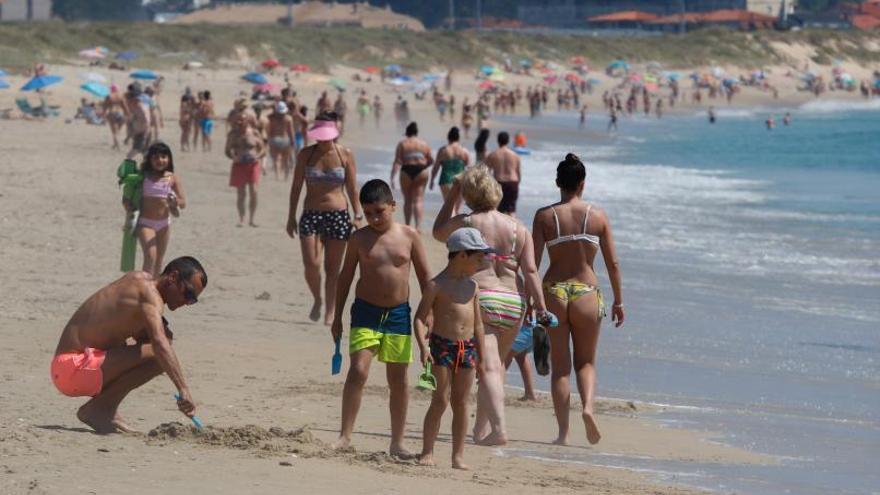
(385, 252)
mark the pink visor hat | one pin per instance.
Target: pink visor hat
(323, 130)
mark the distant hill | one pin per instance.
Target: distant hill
(163, 46)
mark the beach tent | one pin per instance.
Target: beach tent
(3, 84)
(127, 56)
(41, 82)
(337, 83)
(96, 89)
(400, 81)
(93, 53)
(255, 77)
(144, 74)
(92, 76)
(266, 87)
(300, 68)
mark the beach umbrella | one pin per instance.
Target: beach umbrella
(92, 76)
(300, 68)
(3, 84)
(619, 64)
(270, 63)
(877, 84)
(487, 70)
(672, 76)
(96, 89)
(546, 70)
(572, 77)
(127, 56)
(41, 82)
(144, 74)
(93, 53)
(431, 77)
(486, 85)
(371, 70)
(337, 83)
(266, 87)
(393, 68)
(578, 60)
(255, 77)
(550, 79)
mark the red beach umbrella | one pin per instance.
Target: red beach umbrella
(270, 63)
(371, 70)
(486, 85)
(300, 68)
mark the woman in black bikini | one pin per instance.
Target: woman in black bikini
(329, 172)
(412, 158)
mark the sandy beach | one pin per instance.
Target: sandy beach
(257, 367)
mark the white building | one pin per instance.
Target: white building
(25, 10)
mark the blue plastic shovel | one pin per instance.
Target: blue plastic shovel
(336, 362)
(196, 421)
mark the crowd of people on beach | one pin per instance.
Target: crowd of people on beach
(484, 310)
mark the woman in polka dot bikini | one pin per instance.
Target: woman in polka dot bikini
(329, 172)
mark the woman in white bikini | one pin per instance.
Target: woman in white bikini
(574, 232)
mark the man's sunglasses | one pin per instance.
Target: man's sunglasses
(189, 293)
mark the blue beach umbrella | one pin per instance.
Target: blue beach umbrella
(618, 64)
(127, 55)
(96, 89)
(144, 74)
(487, 69)
(41, 82)
(3, 84)
(393, 68)
(431, 77)
(255, 77)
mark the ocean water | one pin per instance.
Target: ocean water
(751, 281)
(751, 266)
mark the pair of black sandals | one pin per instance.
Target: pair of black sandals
(541, 350)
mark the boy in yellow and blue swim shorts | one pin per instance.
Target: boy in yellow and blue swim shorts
(381, 319)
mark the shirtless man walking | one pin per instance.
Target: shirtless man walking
(93, 358)
(505, 166)
(116, 112)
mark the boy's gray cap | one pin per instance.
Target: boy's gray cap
(467, 239)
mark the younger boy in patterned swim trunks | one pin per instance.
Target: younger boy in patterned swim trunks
(456, 341)
(380, 313)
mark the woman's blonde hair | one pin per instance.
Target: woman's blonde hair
(481, 192)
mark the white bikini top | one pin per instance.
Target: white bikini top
(583, 236)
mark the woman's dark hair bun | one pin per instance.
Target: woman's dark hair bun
(572, 158)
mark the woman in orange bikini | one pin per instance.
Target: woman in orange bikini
(573, 232)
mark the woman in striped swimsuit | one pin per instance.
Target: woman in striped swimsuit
(508, 276)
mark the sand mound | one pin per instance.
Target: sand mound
(251, 437)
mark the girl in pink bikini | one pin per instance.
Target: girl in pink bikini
(162, 197)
